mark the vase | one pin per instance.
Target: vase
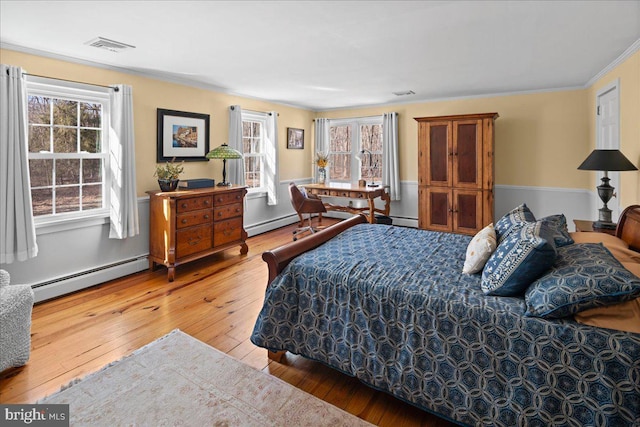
(322, 175)
(168, 184)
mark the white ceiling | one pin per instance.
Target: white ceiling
(333, 54)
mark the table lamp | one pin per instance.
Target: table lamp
(372, 166)
(224, 152)
(606, 161)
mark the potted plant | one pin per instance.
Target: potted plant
(169, 175)
(322, 160)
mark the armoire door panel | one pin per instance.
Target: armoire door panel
(467, 154)
(439, 152)
(439, 209)
(467, 211)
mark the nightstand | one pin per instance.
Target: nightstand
(584, 225)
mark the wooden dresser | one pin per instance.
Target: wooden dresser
(455, 172)
(189, 224)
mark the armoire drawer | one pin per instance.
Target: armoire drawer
(227, 231)
(193, 239)
(189, 219)
(228, 198)
(227, 211)
(194, 204)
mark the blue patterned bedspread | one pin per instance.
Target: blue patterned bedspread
(390, 306)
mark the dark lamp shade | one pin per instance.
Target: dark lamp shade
(607, 160)
(224, 152)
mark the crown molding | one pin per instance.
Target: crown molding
(192, 83)
(619, 60)
(146, 73)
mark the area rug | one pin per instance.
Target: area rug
(178, 380)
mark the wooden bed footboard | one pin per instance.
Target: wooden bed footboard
(277, 259)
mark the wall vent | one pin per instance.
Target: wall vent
(404, 93)
(110, 45)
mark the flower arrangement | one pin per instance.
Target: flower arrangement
(169, 170)
(322, 159)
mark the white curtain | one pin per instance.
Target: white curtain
(271, 160)
(321, 138)
(123, 212)
(235, 168)
(390, 159)
(17, 229)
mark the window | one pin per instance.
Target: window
(68, 152)
(254, 139)
(347, 138)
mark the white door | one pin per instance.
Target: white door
(608, 135)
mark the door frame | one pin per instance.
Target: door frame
(614, 203)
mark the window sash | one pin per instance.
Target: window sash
(256, 151)
(358, 169)
(76, 93)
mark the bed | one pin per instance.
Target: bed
(391, 307)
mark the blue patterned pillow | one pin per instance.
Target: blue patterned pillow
(517, 216)
(558, 226)
(584, 276)
(523, 256)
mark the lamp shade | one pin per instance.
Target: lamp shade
(607, 160)
(224, 152)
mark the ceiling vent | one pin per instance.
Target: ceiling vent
(107, 44)
(404, 93)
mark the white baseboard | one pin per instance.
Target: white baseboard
(64, 285)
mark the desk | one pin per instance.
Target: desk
(352, 191)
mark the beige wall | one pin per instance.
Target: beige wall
(540, 138)
(150, 94)
(628, 73)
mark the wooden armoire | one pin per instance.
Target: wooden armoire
(455, 172)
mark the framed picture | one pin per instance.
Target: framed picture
(183, 136)
(295, 138)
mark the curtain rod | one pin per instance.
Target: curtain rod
(115, 89)
(354, 118)
(251, 111)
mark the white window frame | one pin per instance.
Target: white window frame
(355, 124)
(37, 86)
(261, 118)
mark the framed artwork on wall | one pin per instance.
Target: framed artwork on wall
(295, 138)
(182, 135)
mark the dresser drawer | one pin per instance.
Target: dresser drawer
(227, 231)
(193, 204)
(227, 211)
(228, 198)
(194, 218)
(193, 239)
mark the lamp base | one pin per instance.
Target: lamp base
(373, 185)
(224, 184)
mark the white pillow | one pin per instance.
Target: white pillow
(480, 249)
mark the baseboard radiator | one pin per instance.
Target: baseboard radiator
(87, 278)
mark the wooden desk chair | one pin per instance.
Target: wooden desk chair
(305, 204)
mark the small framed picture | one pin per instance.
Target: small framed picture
(182, 135)
(295, 138)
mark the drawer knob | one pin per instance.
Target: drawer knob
(238, 196)
(184, 205)
(219, 199)
(184, 221)
(206, 217)
(237, 210)
(220, 213)
(206, 202)
(194, 240)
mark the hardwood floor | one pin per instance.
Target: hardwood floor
(216, 300)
